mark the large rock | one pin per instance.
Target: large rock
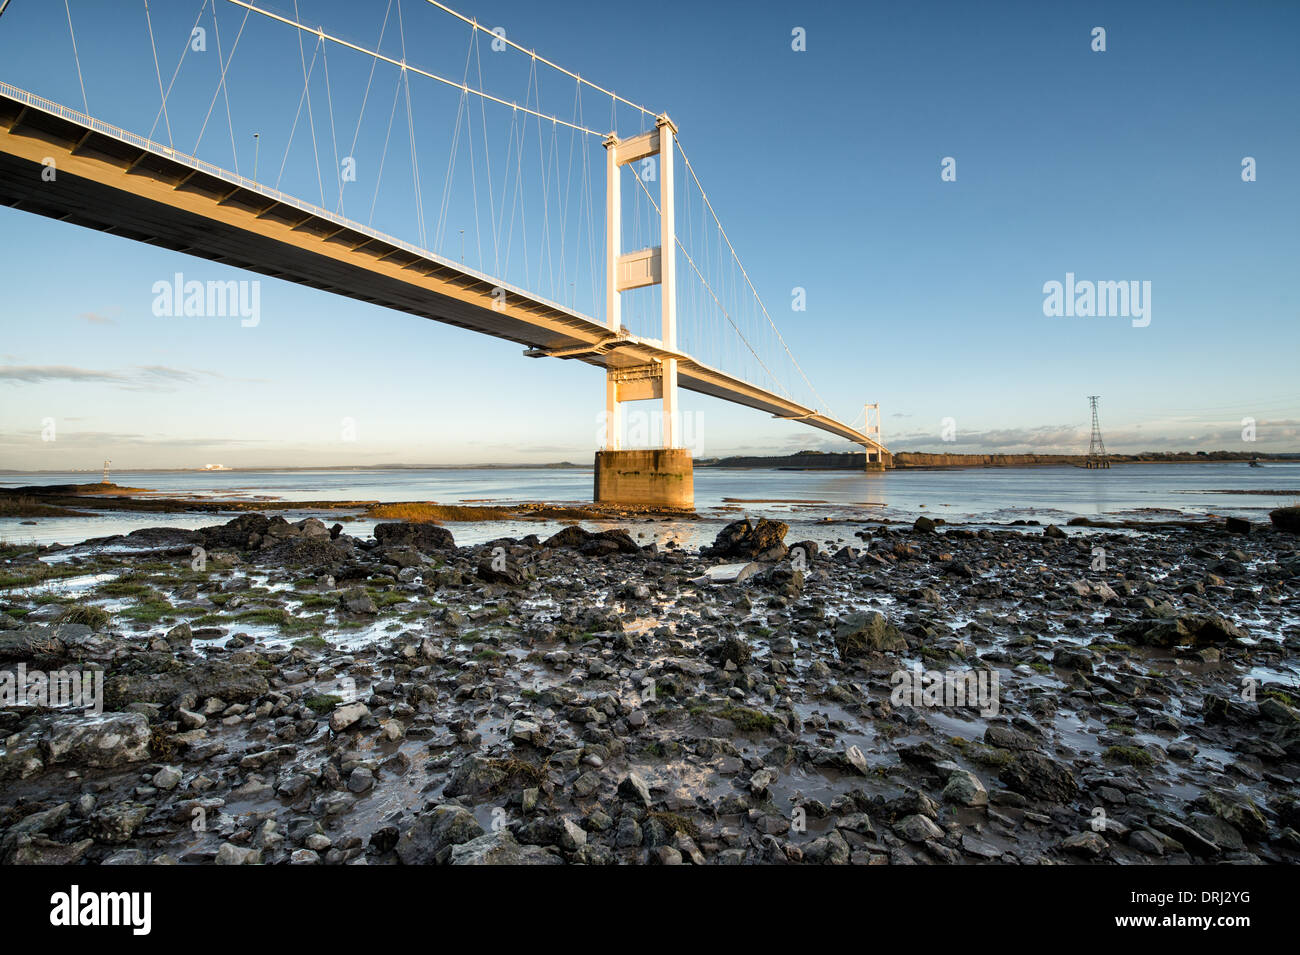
(181, 635)
(423, 537)
(729, 573)
(1087, 844)
(356, 600)
(347, 715)
(244, 532)
(20, 753)
(476, 776)
(1286, 518)
(608, 541)
(117, 823)
(303, 550)
(104, 742)
(1004, 737)
(830, 849)
(572, 536)
(231, 854)
(434, 833)
(157, 537)
(1184, 836)
(1189, 630)
(40, 644)
(1275, 711)
(313, 528)
(732, 649)
(402, 556)
(1039, 777)
(36, 850)
(553, 831)
(503, 572)
(1236, 810)
(861, 633)
(918, 828)
(761, 541)
(234, 684)
(501, 848)
(965, 789)
(601, 542)
(634, 789)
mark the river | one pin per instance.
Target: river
(803, 498)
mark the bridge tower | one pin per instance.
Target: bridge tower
(660, 477)
(873, 428)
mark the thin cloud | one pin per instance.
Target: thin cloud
(162, 373)
(139, 378)
(39, 374)
(82, 439)
(95, 318)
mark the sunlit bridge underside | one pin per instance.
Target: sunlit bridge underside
(123, 184)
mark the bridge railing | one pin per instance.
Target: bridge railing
(235, 179)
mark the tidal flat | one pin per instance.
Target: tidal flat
(285, 693)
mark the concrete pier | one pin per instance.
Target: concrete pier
(663, 477)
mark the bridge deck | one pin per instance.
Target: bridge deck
(116, 182)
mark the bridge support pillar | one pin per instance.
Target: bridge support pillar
(652, 477)
(878, 459)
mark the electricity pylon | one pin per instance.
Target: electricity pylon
(1096, 447)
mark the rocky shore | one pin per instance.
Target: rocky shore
(286, 693)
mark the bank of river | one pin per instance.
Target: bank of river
(291, 694)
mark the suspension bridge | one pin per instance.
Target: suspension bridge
(657, 298)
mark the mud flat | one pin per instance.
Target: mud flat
(281, 692)
(55, 500)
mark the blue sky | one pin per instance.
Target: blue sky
(823, 165)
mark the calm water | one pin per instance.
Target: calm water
(992, 495)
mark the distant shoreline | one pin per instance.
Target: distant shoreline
(562, 465)
(802, 461)
(924, 460)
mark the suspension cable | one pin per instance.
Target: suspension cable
(293, 130)
(225, 92)
(352, 151)
(162, 110)
(75, 55)
(776, 381)
(311, 113)
(414, 69)
(748, 281)
(541, 59)
(221, 87)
